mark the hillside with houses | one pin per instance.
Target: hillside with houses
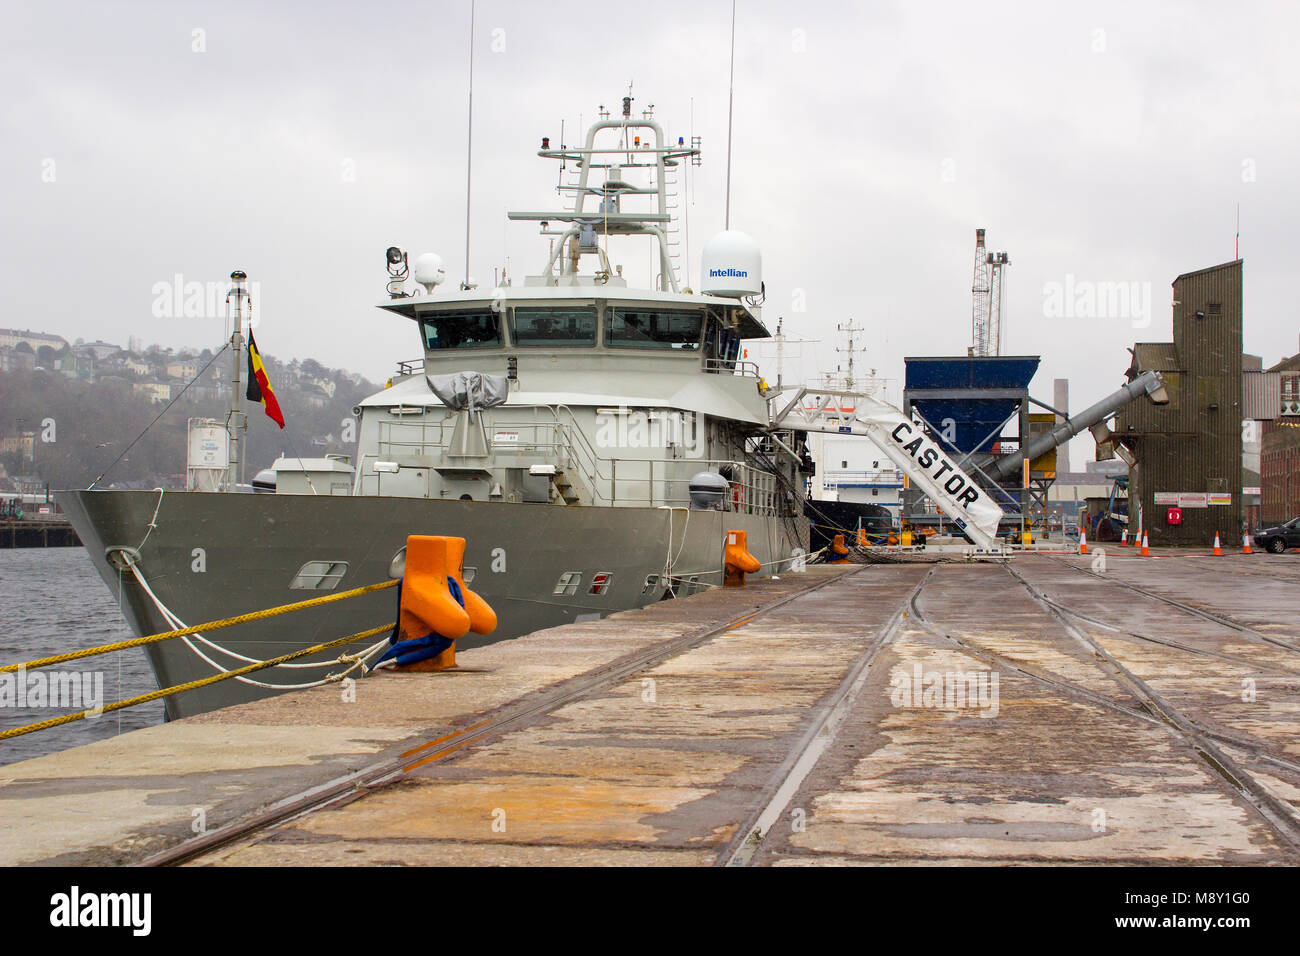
(69, 409)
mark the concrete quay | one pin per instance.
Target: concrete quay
(1047, 709)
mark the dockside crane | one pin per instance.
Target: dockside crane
(986, 299)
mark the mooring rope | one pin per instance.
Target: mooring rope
(191, 685)
(352, 660)
(209, 626)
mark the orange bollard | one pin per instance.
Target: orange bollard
(1217, 549)
(737, 561)
(1245, 543)
(839, 551)
(482, 619)
(1146, 551)
(862, 537)
(436, 607)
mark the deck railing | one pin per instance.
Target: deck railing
(602, 479)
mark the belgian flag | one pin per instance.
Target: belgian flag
(259, 386)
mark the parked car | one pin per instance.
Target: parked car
(1280, 537)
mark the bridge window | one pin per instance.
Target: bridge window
(478, 329)
(652, 329)
(554, 327)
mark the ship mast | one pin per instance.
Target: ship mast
(233, 419)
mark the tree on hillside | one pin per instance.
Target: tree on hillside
(95, 421)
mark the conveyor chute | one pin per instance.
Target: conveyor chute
(1148, 382)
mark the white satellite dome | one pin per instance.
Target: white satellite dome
(731, 265)
(428, 271)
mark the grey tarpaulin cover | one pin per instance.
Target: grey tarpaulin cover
(471, 390)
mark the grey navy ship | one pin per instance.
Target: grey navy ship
(592, 442)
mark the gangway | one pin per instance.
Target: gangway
(905, 443)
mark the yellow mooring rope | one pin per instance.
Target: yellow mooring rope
(205, 681)
(210, 626)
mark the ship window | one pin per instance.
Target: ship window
(562, 328)
(568, 583)
(461, 330)
(600, 582)
(651, 582)
(647, 329)
(319, 576)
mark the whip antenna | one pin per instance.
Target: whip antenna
(469, 141)
(731, 97)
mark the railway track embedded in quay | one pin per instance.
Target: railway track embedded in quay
(520, 714)
(1150, 705)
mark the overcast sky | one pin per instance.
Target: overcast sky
(1108, 142)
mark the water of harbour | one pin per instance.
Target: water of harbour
(52, 601)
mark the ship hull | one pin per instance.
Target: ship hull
(211, 556)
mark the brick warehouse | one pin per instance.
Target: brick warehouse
(1280, 455)
(1189, 452)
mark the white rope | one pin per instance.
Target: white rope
(671, 562)
(153, 522)
(353, 660)
(685, 578)
(178, 624)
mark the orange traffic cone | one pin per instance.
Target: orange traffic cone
(1217, 550)
(1083, 541)
(1245, 543)
(1146, 551)
(1123, 538)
